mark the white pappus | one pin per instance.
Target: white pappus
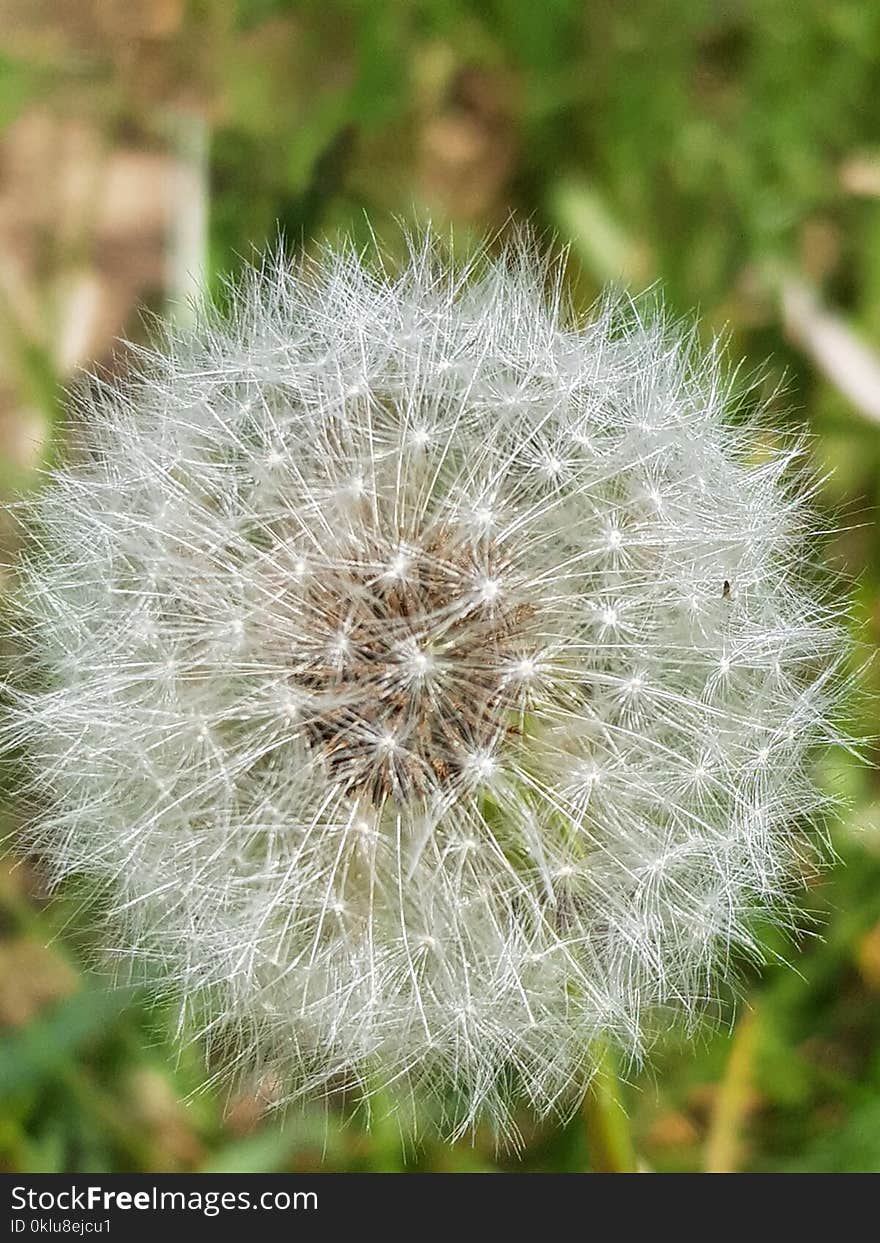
(426, 678)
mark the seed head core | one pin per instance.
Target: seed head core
(410, 679)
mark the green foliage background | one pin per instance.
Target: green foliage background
(726, 150)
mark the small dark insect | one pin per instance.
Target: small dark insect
(725, 590)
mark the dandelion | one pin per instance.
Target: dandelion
(426, 679)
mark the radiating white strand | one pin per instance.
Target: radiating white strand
(427, 681)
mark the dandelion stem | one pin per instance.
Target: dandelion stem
(723, 1152)
(608, 1131)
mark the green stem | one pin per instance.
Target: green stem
(608, 1132)
(724, 1142)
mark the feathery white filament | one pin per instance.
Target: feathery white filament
(427, 679)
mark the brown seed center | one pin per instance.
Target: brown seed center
(410, 680)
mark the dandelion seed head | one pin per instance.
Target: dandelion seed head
(426, 676)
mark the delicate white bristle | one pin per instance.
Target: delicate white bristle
(426, 678)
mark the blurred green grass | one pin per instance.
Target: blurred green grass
(719, 149)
